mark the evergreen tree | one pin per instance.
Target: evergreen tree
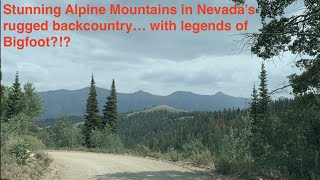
(256, 147)
(254, 104)
(92, 119)
(3, 99)
(262, 123)
(110, 114)
(14, 104)
(264, 98)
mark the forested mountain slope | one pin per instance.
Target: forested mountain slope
(72, 102)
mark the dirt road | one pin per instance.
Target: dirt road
(85, 165)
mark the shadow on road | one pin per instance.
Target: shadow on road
(155, 175)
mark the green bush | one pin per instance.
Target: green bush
(226, 166)
(34, 144)
(235, 155)
(173, 154)
(203, 158)
(21, 152)
(223, 165)
(106, 141)
(20, 124)
(64, 134)
(193, 147)
(142, 150)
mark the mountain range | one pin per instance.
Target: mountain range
(73, 102)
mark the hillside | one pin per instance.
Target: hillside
(72, 102)
(157, 108)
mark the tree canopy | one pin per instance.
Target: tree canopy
(297, 32)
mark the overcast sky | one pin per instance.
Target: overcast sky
(156, 62)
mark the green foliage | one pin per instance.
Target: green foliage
(263, 98)
(21, 123)
(142, 150)
(161, 130)
(203, 159)
(51, 121)
(14, 103)
(32, 103)
(18, 103)
(4, 91)
(295, 145)
(92, 119)
(193, 151)
(62, 135)
(262, 122)
(48, 137)
(193, 147)
(21, 152)
(309, 80)
(173, 154)
(254, 105)
(34, 144)
(298, 139)
(110, 113)
(19, 146)
(17, 152)
(65, 135)
(104, 139)
(235, 152)
(280, 33)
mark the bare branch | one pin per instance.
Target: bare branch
(281, 88)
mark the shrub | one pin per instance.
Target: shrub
(173, 154)
(223, 165)
(106, 141)
(34, 144)
(193, 147)
(20, 124)
(235, 155)
(64, 134)
(142, 150)
(21, 152)
(203, 158)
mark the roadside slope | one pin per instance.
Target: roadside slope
(86, 165)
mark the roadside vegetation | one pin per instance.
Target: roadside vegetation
(21, 150)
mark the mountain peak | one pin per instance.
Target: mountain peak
(157, 108)
(141, 92)
(181, 93)
(219, 93)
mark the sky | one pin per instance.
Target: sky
(156, 62)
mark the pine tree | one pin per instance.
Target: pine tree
(256, 145)
(92, 119)
(110, 114)
(14, 103)
(261, 125)
(264, 98)
(254, 104)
